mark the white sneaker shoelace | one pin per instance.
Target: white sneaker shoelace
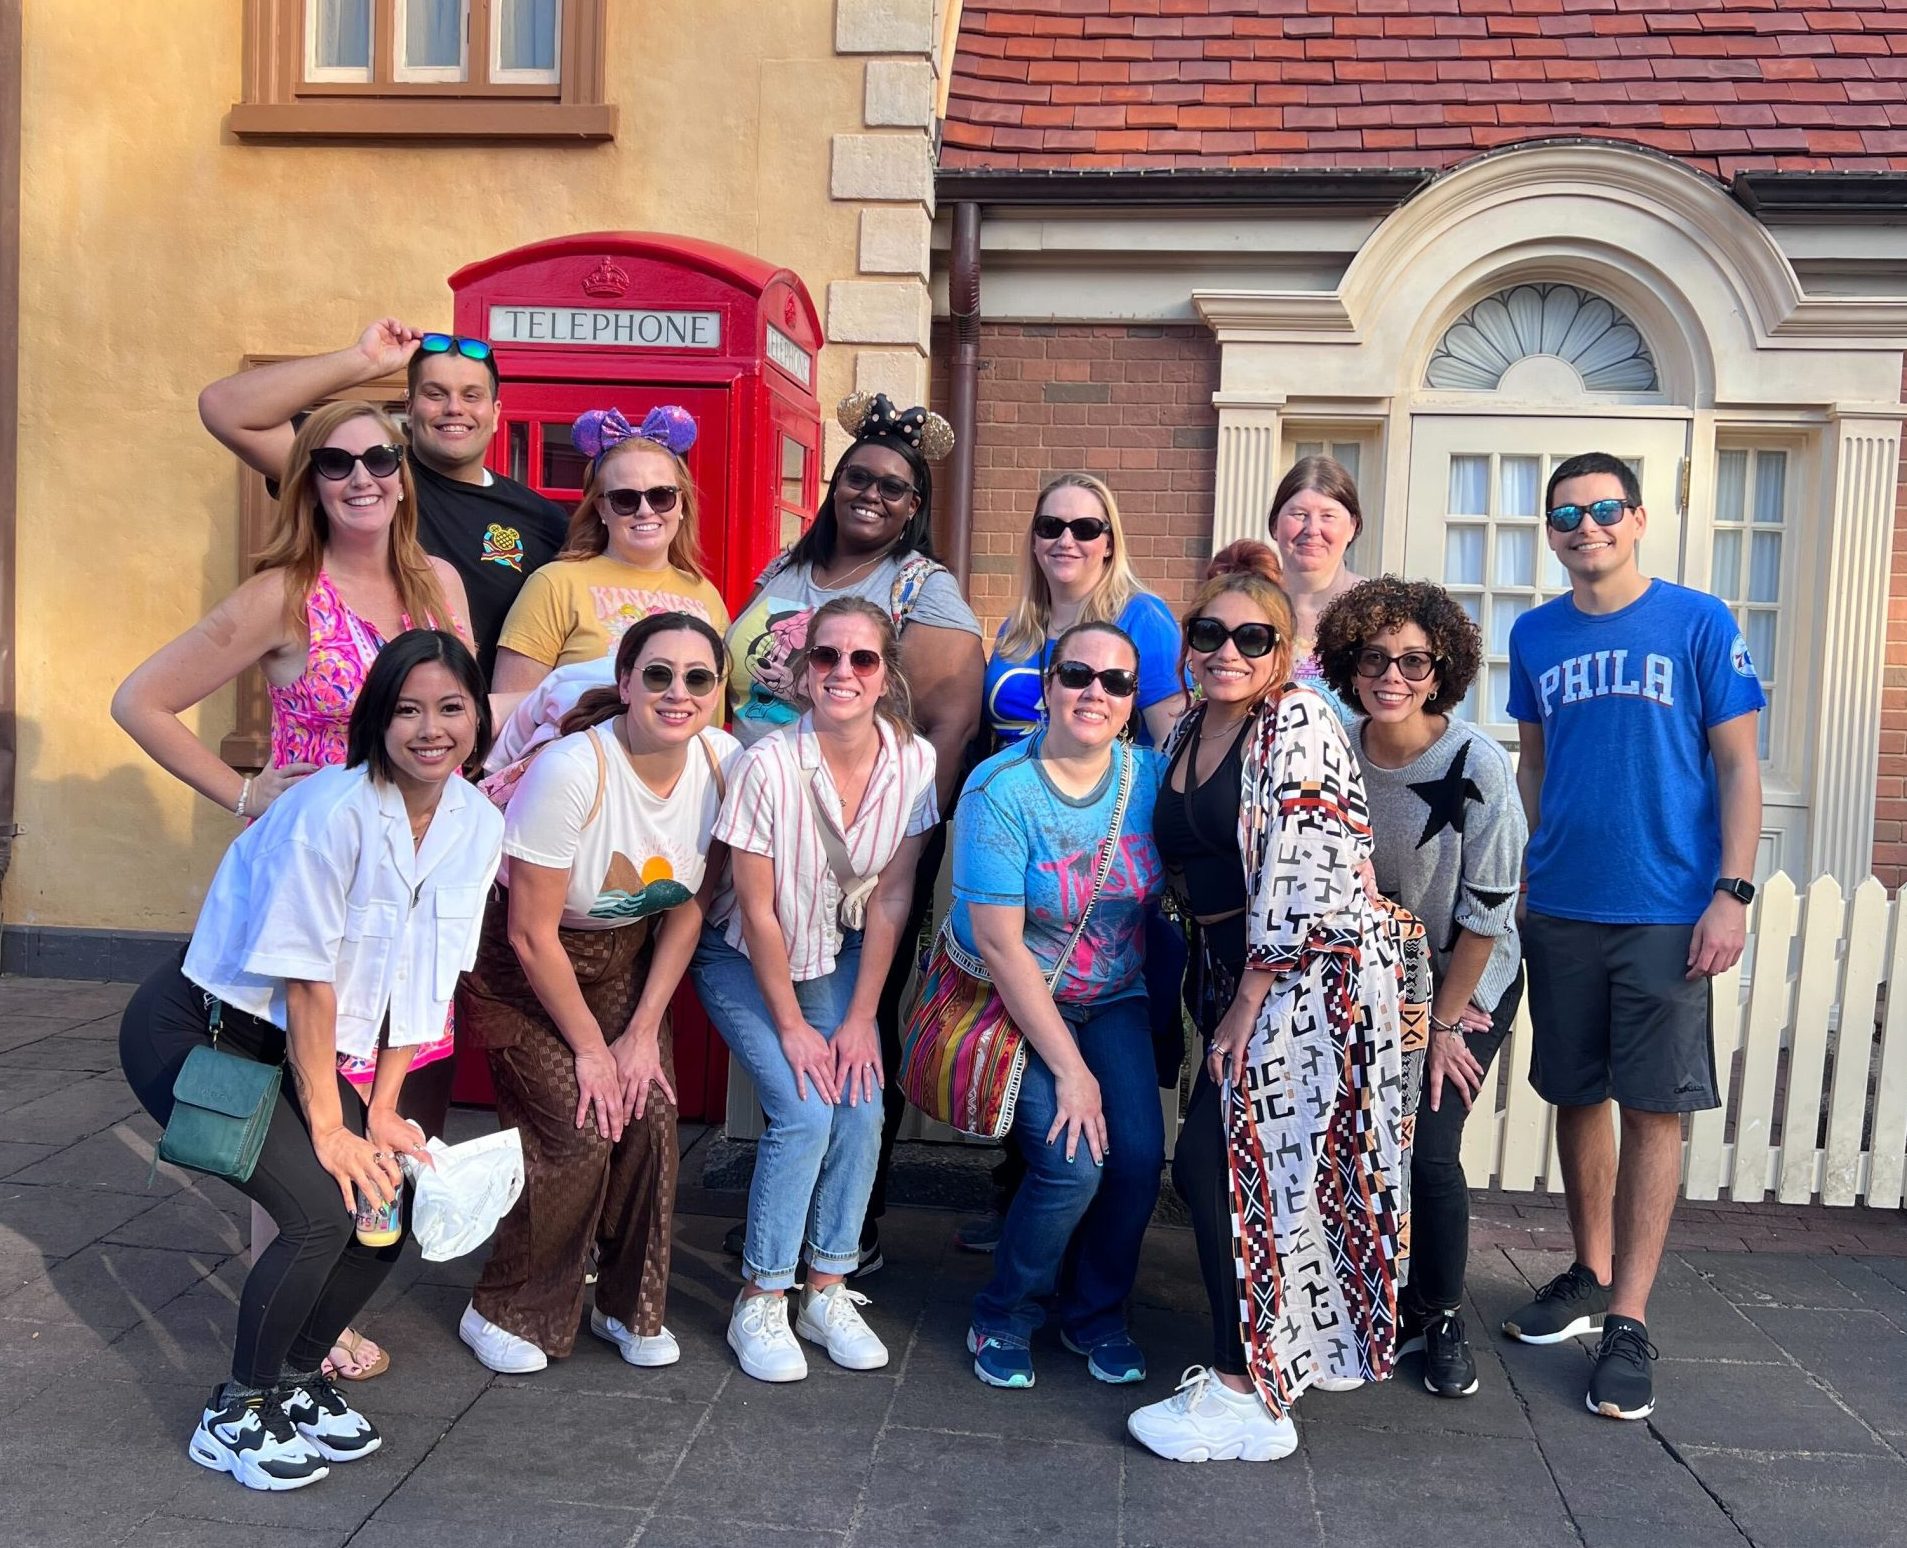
(1192, 1386)
(842, 1310)
(766, 1317)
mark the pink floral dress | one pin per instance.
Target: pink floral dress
(310, 717)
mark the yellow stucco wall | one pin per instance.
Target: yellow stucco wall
(156, 252)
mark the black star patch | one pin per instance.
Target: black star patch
(1490, 900)
(1445, 797)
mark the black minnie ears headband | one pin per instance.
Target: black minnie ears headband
(868, 415)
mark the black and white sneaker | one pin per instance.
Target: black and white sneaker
(871, 1260)
(1450, 1370)
(254, 1440)
(1620, 1386)
(1572, 1303)
(324, 1418)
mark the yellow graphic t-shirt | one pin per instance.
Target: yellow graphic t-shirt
(578, 609)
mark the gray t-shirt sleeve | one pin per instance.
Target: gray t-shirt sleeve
(1493, 843)
(941, 605)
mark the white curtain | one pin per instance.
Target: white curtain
(342, 34)
(1469, 486)
(526, 37)
(433, 33)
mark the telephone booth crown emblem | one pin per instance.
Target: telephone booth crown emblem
(606, 281)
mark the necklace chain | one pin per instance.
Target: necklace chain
(858, 570)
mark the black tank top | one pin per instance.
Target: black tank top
(1196, 830)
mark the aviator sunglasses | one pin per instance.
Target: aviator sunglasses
(1206, 635)
(1416, 665)
(1120, 682)
(1085, 529)
(825, 658)
(858, 480)
(335, 463)
(1567, 518)
(628, 502)
(659, 677)
(446, 343)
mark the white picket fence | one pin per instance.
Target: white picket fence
(1812, 1055)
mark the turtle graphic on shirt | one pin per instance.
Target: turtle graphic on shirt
(629, 891)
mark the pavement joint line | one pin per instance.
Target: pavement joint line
(1311, 1487)
(708, 1414)
(424, 1456)
(1669, 1447)
(1536, 1437)
(880, 1430)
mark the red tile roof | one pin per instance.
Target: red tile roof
(1730, 85)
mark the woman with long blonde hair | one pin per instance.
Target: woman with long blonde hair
(633, 549)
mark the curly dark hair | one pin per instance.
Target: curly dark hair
(1371, 607)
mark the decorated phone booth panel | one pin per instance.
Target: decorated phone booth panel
(631, 321)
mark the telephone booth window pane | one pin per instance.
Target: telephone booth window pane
(564, 467)
(794, 469)
(519, 456)
(433, 34)
(340, 40)
(526, 35)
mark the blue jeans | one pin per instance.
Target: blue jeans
(1102, 1211)
(814, 1168)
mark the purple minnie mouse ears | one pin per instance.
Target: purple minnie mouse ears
(669, 425)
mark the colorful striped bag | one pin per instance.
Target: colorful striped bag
(962, 1058)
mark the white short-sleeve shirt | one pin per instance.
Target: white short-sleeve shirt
(768, 813)
(327, 887)
(643, 853)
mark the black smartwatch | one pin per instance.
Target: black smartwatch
(1742, 892)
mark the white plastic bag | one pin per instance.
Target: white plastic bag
(456, 1204)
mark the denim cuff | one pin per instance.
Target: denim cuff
(768, 1279)
(833, 1262)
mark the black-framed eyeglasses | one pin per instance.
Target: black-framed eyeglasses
(825, 658)
(1415, 665)
(1567, 518)
(1120, 682)
(858, 480)
(1085, 529)
(335, 463)
(1205, 635)
(629, 502)
(659, 677)
(449, 343)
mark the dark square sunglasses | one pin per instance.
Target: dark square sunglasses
(447, 343)
(1253, 640)
(1567, 518)
(1085, 529)
(1117, 681)
(628, 502)
(335, 463)
(857, 480)
(658, 676)
(825, 658)
(1416, 665)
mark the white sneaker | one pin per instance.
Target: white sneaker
(758, 1333)
(655, 1349)
(1205, 1421)
(497, 1347)
(1338, 1383)
(831, 1317)
(255, 1441)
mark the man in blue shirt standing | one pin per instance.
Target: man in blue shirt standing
(1640, 773)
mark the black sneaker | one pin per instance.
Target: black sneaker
(1410, 1327)
(1449, 1369)
(324, 1418)
(1570, 1304)
(871, 1260)
(254, 1440)
(736, 1239)
(1620, 1386)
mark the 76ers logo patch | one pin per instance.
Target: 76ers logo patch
(1739, 659)
(504, 546)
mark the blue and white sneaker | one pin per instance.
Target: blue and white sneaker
(1116, 1360)
(254, 1440)
(330, 1423)
(999, 1363)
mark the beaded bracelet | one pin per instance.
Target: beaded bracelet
(244, 797)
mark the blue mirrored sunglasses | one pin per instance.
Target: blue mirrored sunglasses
(1567, 518)
(445, 343)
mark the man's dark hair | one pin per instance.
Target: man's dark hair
(419, 358)
(376, 707)
(1588, 463)
(816, 545)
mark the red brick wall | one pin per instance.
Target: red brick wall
(1890, 789)
(1131, 405)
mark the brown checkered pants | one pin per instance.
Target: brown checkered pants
(578, 1188)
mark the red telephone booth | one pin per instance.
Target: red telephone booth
(631, 319)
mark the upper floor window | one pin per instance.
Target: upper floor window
(425, 68)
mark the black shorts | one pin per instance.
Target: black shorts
(1614, 1014)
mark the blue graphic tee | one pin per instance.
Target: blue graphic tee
(1013, 687)
(1019, 840)
(1630, 829)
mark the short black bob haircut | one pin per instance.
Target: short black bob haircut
(1586, 465)
(376, 708)
(816, 545)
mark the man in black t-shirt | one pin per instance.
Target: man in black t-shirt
(492, 529)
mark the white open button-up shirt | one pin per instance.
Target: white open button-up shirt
(327, 887)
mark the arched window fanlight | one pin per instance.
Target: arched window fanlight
(1564, 322)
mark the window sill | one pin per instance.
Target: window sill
(422, 119)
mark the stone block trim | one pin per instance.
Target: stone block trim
(899, 94)
(878, 312)
(884, 27)
(893, 167)
(896, 239)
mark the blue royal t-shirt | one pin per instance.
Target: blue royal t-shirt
(1630, 829)
(1014, 689)
(1019, 840)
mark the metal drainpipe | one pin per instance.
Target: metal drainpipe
(11, 48)
(963, 310)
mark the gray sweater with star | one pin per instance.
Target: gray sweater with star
(1449, 836)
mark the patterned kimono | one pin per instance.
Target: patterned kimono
(1318, 1138)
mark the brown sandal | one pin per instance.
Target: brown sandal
(355, 1358)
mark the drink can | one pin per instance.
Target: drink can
(378, 1225)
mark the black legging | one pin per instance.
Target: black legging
(315, 1276)
(1202, 1176)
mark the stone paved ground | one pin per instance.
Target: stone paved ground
(1783, 1389)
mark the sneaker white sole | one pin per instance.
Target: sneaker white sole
(654, 1357)
(1439, 1391)
(1591, 1323)
(1110, 1378)
(208, 1453)
(863, 1362)
(1264, 1448)
(523, 1366)
(765, 1372)
(1610, 1411)
(1009, 1384)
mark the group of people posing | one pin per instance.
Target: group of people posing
(501, 812)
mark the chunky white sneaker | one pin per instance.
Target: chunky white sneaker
(655, 1349)
(758, 1333)
(1338, 1383)
(255, 1441)
(328, 1421)
(831, 1317)
(1205, 1421)
(499, 1348)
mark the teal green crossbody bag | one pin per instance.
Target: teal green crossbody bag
(222, 1105)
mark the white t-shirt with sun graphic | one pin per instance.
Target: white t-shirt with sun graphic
(642, 853)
